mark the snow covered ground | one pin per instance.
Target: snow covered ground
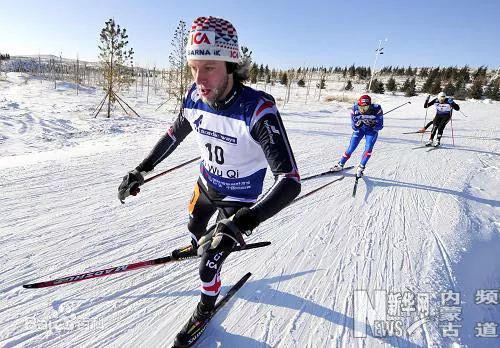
(423, 226)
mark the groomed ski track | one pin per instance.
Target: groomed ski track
(419, 222)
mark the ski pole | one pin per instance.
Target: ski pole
(316, 190)
(451, 124)
(171, 169)
(397, 107)
(425, 122)
(462, 113)
(130, 267)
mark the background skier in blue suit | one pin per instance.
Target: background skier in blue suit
(367, 120)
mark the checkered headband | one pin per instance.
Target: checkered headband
(213, 38)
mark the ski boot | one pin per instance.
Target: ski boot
(359, 171)
(429, 143)
(337, 167)
(195, 326)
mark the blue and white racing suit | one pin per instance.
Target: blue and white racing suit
(364, 125)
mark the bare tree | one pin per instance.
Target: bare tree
(77, 74)
(114, 59)
(178, 63)
(290, 78)
(322, 82)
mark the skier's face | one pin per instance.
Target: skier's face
(363, 108)
(212, 80)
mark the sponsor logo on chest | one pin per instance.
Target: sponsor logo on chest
(443, 107)
(219, 136)
(198, 123)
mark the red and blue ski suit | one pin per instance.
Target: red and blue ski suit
(364, 125)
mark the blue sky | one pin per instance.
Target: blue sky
(280, 33)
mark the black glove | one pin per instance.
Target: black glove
(130, 185)
(243, 222)
(246, 220)
(358, 124)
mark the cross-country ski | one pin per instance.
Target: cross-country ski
(326, 173)
(355, 187)
(194, 328)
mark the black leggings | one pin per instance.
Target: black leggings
(440, 123)
(430, 122)
(201, 209)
